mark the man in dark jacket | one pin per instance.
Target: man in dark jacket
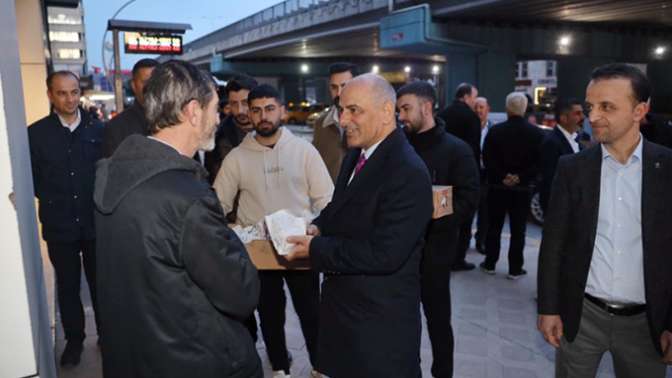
(563, 140)
(368, 242)
(64, 148)
(462, 121)
(450, 161)
(511, 158)
(175, 282)
(131, 120)
(233, 128)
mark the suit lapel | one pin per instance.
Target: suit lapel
(370, 173)
(653, 186)
(590, 190)
(566, 147)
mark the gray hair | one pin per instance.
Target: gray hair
(172, 85)
(482, 99)
(381, 90)
(516, 103)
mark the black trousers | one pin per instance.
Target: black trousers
(67, 259)
(463, 241)
(304, 287)
(438, 257)
(515, 203)
(482, 218)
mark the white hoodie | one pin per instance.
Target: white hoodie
(290, 176)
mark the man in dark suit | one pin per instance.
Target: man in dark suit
(563, 140)
(462, 121)
(64, 148)
(450, 162)
(131, 120)
(511, 158)
(368, 242)
(604, 270)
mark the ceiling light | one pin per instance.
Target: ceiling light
(436, 69)
(565, 41)
(660, 50)
(305, 68)
(407, 69)
(375, 69)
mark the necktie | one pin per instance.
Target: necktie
(360, 163)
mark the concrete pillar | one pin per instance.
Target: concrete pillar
(24, 320)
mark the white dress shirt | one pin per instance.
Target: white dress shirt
(617, 268)
(72, 126)
(367, 154)
(571, 138)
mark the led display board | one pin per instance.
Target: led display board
(142, 43)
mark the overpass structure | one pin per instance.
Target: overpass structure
(448, 41)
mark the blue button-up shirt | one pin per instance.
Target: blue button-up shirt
(617, 267)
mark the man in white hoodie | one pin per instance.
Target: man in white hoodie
(272, 170)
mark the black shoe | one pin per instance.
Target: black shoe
(517, 275)
(486, 269)
(72, 353)
(462, 266)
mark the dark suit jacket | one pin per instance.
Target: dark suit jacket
(227, 138)
(554, 145)
(370, 250)
(569, 237)
(131, 121)
(463, 122)
(512, 147)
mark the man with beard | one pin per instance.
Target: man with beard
(175, 281)
(563, 140)
(604, 266)
(64, 148)
(368, 242)
(328, 136)
(274, 170)
(233, 128)
(450, 162)
(131, 120)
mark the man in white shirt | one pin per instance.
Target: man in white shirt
(561, 141)
(273, 170)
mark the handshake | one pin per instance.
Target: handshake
(511, 180)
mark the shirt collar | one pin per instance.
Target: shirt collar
(635, 154)
(72, 126)
(566, 133)
(369, 151)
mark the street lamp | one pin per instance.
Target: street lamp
(436, 69)
(375, 69)
(305, 68)
(659, 51)
(565, 41)
(407, 69)
(117, 76)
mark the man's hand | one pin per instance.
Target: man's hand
(550, 327)
(666, 346)
(301, 249)
(509, 180)
(313, 230)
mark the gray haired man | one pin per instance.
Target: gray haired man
(175, 282)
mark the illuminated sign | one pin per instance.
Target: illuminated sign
(141, 43)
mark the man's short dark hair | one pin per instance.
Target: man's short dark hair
(462, 90)
(51, 76)
(263, 91)
(240, 82)
(342, 67)
(421, 89)
(641, 88)
(173, 85)
(144, 63)
(564, 106)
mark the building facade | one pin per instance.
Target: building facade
(67, 39)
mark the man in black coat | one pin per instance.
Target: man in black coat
(450, 162)
(64, 148)
(562, 140)
(462, 121)
(175, 282)
(604, 279)
(132, 120)
(511, 159)
(368, 243)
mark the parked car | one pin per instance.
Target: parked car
(298, 113)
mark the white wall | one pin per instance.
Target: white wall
(26, 348)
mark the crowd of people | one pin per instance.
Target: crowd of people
(145, 203)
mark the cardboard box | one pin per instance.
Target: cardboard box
(443, 201)
(265, 257)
